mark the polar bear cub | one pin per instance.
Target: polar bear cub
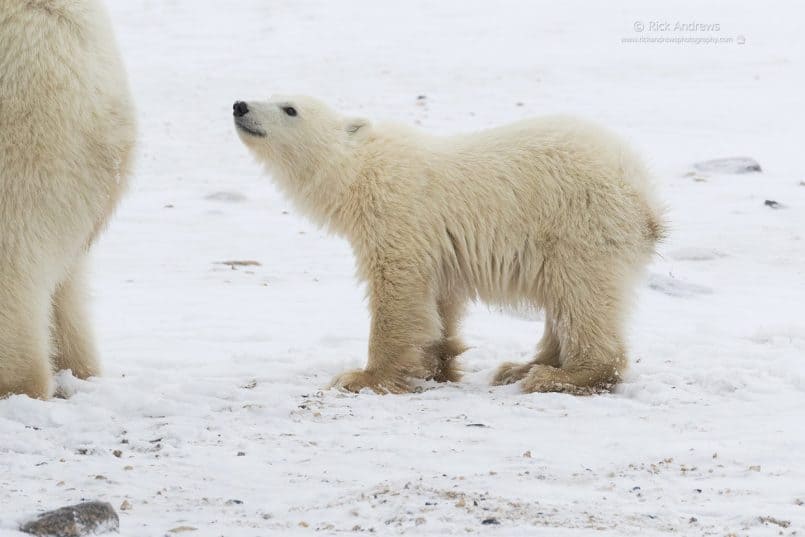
(66, 137)
(554, 213)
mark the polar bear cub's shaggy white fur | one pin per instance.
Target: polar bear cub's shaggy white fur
(553, 212)
(66, 137)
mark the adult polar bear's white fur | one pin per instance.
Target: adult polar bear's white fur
(554, 212)
(66, 137)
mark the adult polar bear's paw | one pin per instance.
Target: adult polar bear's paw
(358, 379)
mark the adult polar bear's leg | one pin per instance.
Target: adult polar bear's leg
(548, 353)
(72, 335)
(24, 344)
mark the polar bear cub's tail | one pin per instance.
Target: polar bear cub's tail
(636, 174)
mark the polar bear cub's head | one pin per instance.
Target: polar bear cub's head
(294, 134)
(306, 147)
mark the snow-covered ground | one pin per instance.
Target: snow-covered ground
(211, 414)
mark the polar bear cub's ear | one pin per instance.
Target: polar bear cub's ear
(356, 125)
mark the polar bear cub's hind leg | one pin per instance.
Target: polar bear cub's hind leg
(588, 325)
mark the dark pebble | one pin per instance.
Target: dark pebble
(728, 165)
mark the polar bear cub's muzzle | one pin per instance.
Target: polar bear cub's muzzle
(245, 120)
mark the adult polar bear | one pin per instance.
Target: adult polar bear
(555, 213)
(66, 137)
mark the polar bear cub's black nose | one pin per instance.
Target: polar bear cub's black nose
(240, 109)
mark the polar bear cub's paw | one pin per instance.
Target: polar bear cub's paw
(356, 380)
(511, 372)
(545, 378)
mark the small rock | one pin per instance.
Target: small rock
(773, 204)
(125, 506)
(231, 197)
(527, 454)
(490, 521)
(117, 453)
(75, 521)
(754, 468)
(240, 263)
(775, 521)
(728, 165)
(693, 520)
(676, 288)
(182, 529)
(477, 425)
(234, 502)
(241, 453)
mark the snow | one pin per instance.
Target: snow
(212, 413)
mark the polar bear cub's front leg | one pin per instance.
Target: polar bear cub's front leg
(405, 320)
(548, 353)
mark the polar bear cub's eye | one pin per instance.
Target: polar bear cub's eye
(289, 110)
